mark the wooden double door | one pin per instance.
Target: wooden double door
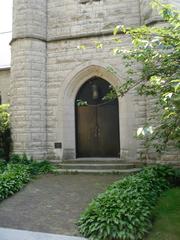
(97, 121)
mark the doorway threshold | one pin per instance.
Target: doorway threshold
(97, 159)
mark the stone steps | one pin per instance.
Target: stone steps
(104, 171)
(99, 161)
(104, 165)
(99, 165)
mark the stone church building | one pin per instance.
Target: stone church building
(56, 90)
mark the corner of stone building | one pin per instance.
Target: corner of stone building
(28, 78)
(148, 15)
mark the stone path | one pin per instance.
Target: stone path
(52, 203)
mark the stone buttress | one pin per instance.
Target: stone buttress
(28, 78)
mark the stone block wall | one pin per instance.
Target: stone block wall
(148, 15)
(66, 71)
(28, 78)
(48, 70)
(45, 60)
(5, 85)
(75, 18)
(70, 24)
(151, 16)
(29, 19)
(28, 97)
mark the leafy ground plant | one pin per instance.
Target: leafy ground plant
(13, 179)
(18, 172)
(124, 211)
(35, 167)
(5, 133)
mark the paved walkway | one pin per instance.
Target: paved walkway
(52, 203)
(11, 234)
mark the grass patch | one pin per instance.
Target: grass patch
(167, 217)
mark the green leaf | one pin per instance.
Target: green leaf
(116, 29)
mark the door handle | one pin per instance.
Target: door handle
(96, 131)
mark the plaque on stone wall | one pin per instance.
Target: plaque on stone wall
(88, 1)
(58, 145)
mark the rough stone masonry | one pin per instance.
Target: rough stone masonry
(47, 71)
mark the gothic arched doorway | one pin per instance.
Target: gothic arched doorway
(97, 121)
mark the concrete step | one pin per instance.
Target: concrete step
(92, 162)
(100, 166)
(98, 171)
(98, 161)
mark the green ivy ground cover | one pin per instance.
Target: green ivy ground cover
(125, 210)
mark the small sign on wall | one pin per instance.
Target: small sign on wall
(88, 1)
(58, 145)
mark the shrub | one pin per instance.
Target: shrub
(13, 179)
(18, 172)
(5, 133)
(176, 178)
(2, 166)
(124, 211)
(20, 159)
(43, 167)
(34, 167)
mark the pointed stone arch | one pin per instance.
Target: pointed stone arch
(65, 127)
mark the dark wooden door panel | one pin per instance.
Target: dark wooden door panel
(97, 123)
(108, 130)
(86, 135)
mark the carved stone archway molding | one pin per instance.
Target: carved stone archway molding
(66, 107)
